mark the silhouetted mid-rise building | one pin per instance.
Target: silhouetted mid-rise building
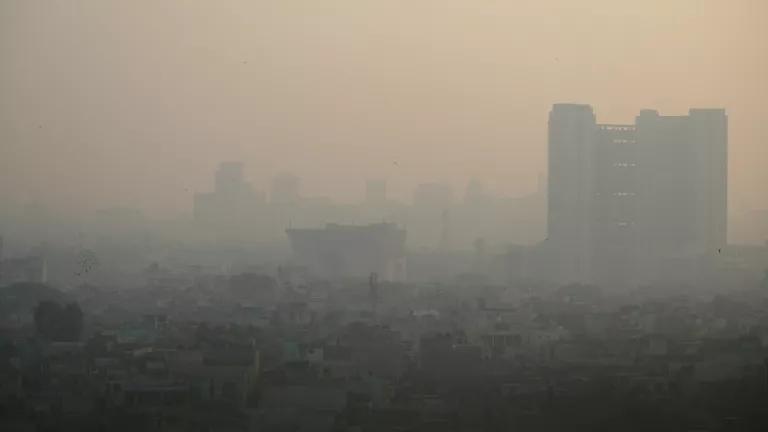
(429, 217)
(232, 205)
(351, 250)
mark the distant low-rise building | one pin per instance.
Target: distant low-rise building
(338, 251)
(23, 269)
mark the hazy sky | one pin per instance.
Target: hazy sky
(134, 102)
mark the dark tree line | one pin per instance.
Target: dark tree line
(59, 323)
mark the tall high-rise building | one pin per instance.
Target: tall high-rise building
(615, 229)
(682, 186)
(629, 202)
(571, 194)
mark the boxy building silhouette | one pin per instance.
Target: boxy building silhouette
(631, 202)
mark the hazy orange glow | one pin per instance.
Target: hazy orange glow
(135, 102)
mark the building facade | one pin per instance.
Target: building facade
(630, 203)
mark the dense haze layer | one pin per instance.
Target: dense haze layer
(134, 103)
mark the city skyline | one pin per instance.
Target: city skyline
(423, 92)
(379, 216)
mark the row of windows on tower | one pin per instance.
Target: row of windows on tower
(621, 194)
